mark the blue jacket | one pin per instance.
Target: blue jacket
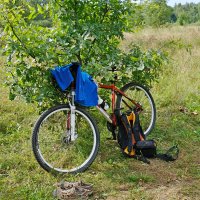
(86, 88)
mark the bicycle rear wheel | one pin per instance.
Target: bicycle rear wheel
(141, 95)
(52, 146)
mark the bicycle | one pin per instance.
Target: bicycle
(66, 138)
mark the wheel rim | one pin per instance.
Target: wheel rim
(140, 96)
(55, 148)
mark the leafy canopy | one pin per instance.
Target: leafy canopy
(87, 31)
(155, 13)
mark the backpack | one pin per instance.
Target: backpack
(133, 143)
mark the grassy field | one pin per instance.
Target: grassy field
(177, 96)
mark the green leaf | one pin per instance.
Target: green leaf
(11, 96)
(40, 9)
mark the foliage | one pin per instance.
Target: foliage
(85, 31)
(157, 13)
(188, 13)
(154, 13)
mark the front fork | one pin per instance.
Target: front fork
(71, 118)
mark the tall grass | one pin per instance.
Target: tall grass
(113, 176)
(180, 82)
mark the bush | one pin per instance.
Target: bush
(80, 31)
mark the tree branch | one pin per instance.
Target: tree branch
(18, 38)
(79, 58)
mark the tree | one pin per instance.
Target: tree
(87, 31)
(157, 13)
(173, 18)
(188, 13)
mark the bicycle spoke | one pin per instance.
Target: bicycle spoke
(56, 150)
(142, 96)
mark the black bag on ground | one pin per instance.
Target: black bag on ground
(133, 143)
(130, 133)
(147, 148)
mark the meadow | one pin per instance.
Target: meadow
(177, 98)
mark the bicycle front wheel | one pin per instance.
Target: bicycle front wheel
(139, 94)
(52, 146)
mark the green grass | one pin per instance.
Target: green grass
(113, 175)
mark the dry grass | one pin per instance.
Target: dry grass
(156, 37)
(180, 82)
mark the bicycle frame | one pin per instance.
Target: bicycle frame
(110, 118)
(114, 91)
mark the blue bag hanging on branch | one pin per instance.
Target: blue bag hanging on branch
(85, 87)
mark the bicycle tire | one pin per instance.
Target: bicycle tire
(149, 109)
(59, 155)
